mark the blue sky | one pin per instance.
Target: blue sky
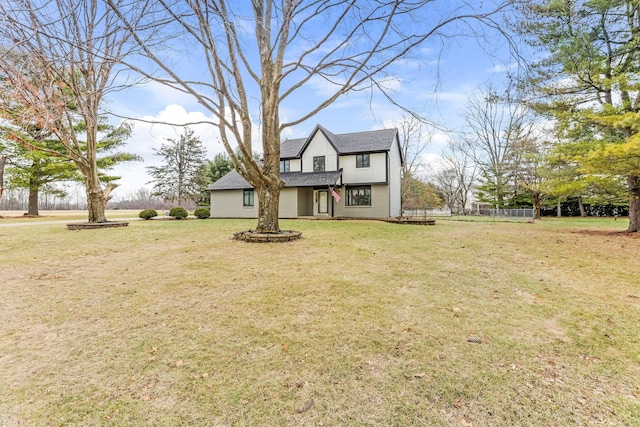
(435, 82)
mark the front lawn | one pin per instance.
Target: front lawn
(359, 323)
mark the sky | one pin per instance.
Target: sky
(435, 81)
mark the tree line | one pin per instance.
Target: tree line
(565, 130)
(182, 177)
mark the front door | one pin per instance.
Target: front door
(323, 202)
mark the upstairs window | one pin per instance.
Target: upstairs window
(285, 166)
(363, 161)
(247, 198)
(318, 163)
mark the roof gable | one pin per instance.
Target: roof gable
(347, 143)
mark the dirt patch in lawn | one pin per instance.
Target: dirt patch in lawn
(608, 233)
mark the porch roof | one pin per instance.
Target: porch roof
(233, 180)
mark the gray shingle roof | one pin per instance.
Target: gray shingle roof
(291, 148)
(233, 180)
(375, 140)
(310, 179)
(346, 143)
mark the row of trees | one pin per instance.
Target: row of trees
(183, 175)
(571, 129)
(587, 84)
(511, 156)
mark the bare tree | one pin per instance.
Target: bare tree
(456, 178)
(415, 136)
(267, 51)
(60, 60)
(496, 123)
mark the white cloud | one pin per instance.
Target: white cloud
(503, 68)
(431, 165)
(153, 131)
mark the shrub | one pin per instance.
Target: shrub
(147, 214)
(202, 213)
(178, 212)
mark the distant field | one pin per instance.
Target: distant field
(359, 323)
(65, 214)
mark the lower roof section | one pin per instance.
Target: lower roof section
(233, 180)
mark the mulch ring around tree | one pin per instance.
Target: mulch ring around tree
(95, 225)
(256, 237)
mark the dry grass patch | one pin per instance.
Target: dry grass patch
(358, 323)
(8, 217)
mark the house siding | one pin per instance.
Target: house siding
(228, 204)
(376, 172)
(320, 146)
(295, 165)
(288, 203)
(395, 181)
(379, 204)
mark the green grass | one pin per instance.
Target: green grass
(359, 323)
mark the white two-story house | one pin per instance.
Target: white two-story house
(363, 169)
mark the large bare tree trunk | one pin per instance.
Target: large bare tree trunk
(96, 196)
(3, 160)
(268, 208)
(268, 185)
(96, 201)
(633, 181)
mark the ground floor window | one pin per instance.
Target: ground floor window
(247, 198)
(359, 196)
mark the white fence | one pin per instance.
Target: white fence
(429, 213)
(518, 215)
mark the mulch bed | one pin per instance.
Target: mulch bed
(96, 225)
(255, 237)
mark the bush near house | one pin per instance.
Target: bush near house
(178, 212)
(148, 214)
(202, 213)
